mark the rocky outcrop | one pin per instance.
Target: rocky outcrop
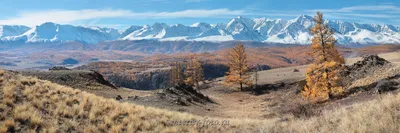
(78, 79)
(185, 95)
(388, 84)
(367, 66)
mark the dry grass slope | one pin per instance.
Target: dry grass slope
(32, 105)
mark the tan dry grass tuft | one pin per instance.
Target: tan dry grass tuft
(7, 126)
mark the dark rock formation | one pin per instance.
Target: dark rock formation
(184, 95)
(78, 79)
(362, 68)
(388, 84)
(119, 97)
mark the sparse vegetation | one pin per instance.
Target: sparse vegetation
(176, 74)
(323, 76)
(194, 72)
(238, 67)
(47, 107)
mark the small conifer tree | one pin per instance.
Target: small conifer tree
(194, 72)
(176, 75)
(238, 67)
(322, 76)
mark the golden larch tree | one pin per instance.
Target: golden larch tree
(194, 72)
(323, 75)
(176, 75)
(238, 67)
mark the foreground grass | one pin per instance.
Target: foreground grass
(32, 105)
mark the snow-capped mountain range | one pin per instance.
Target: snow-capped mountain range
(294, 31)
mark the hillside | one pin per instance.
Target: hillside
(151, 72)
(278, 93)
(87, 80)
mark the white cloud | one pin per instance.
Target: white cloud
(62, 16)
(367, 13)
(32, 18)
(370, 8)
(69, 16)
(360, 8)
(190, 13)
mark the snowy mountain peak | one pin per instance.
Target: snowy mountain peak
(306, 17)
(304, 20)
(293, 31)
(200, 24)
(12, 30)
(51, 32)
(130, 30)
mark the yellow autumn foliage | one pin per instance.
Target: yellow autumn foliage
(194, 72)
(323, 76)
(176, 75)
(238, 68)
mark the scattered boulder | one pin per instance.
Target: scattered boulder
(181, 102)
(133, 97)
(119, 97)
(296, 70)
(388, 84)
(385, 85)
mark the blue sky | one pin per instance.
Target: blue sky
(123, 13)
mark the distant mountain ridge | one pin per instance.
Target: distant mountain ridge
(51, 32)
(294, 31)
